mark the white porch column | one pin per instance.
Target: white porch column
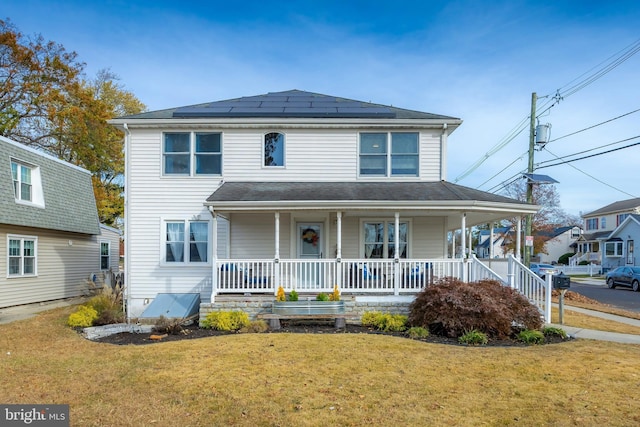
(463, 235)
(214, 254)
(491, 240)
(276, 256)
(339, 235)
(470, 242)
(518, 237)
(463, 243)
(339, 249)
(396, 255)
(453, 244)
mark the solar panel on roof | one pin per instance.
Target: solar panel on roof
(294, 104)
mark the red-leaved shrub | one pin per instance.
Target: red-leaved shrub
(451, 307)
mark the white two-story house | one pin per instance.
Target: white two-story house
(293, 189)
(598, 226)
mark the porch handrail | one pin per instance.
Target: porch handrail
(480, 271)
(536, 290)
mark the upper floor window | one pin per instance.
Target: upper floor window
(22, 256)
(389, 154)
(620, 218)
(592, 224)
(189, 153)
(186, 242)
(603, 222)
(274, 149)
(21, 181)
(575, 232)
(104, 255)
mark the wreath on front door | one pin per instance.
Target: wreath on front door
(309, 235)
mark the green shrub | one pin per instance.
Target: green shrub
(551, 331)
(370, 318)
(255, 327)
(83, 317)
(108, 304)
(293, 295)
(583, 262)
(322, 297)
(564, 258)
(473, 337)
(226, 320)
(417, 332)
(451, 307)
(530, 336)
(384, 321)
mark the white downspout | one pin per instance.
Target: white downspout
(214, 254)
(518, 238)
(443, 153)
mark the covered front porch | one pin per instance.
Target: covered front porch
(384, 240)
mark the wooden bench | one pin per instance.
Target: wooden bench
(274, 318)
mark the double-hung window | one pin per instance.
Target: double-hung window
(379, 239)
(186, 242)
(105, 263)
(620, 218)
(389, 154)
(22, 185)
(592, 224)
(22, 256)
(613, 249)
(192, 153)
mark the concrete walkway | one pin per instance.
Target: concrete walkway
(21, 312)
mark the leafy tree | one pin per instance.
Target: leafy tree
(549, 217)
(47, 103)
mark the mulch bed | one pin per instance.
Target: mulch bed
(195, 332)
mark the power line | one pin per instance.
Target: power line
(596, 125)
(596, 179)
(593, 155)
(505, 168)
(585, 151)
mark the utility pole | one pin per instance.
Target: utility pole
(528, 250)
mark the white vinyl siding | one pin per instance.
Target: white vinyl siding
(64, 263)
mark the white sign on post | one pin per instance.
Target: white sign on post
(528, 241)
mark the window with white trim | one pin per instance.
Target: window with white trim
(389, 154)
(186, 242)
(192, 153)
(575, 232)
(274, 149)
(22, 252)
(379, 239)
(613, 249)
(603, 222)
(105, 261)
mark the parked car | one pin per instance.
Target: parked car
(543, 269)
(624, 276)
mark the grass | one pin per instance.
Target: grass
(316, 380)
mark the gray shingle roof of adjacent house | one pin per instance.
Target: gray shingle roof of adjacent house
(289, 104)
(69, 203)
(619, 206)
(351, 191)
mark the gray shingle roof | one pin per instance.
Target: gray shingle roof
(69, 203)
(289, 104)
(351, 191)
(619, 206)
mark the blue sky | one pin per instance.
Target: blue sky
(477, 60)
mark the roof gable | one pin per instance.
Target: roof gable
(631, 219)
(290, 104)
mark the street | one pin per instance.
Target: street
(620, 297)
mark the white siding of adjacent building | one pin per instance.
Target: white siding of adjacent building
(64, 263)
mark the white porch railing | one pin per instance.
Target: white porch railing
(531, 286)
(361, 276)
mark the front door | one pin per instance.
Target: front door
(310, 248)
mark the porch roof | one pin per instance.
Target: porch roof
(439, 198)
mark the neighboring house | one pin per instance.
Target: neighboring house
(50, 239)
(293, 189)
(598, 225)
(560, 241)
(501, 237)
(619, 247)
